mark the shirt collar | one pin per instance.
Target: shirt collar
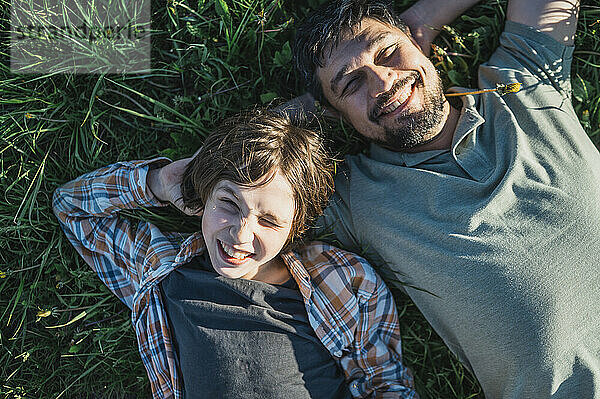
(409, 159)
(298, 272)
(468, 120)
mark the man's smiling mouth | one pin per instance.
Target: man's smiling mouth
(400, 100)
(397, 98)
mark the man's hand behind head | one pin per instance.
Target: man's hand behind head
(305, 108)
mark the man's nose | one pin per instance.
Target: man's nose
(380, 79)
(241, 231)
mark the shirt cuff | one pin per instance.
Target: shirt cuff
(137, 181)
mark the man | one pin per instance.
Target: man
(489, 206)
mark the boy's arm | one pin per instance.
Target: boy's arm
(118, 251)
(557, 18)
(374, 363)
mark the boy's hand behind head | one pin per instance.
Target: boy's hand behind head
(165, 184)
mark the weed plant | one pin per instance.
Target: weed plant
(62, 334)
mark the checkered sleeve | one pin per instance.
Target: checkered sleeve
(118, 251)
(373, 361)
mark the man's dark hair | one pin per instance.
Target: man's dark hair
(323, 29)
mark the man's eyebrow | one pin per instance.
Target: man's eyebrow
(336, 79)
(372, 42)
(376, 40)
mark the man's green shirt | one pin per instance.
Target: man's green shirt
(501, 233)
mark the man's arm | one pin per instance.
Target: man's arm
(425, 18)
(557, 18)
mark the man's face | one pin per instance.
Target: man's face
(382, 83)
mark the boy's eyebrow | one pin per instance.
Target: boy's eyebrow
(230, 191)
(372, 42)
(270, 215)
(275, 218)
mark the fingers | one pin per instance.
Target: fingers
(181, 206)
(177, 200)
(298, 109)
(196, 153)
(166, 182)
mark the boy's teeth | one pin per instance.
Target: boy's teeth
(233, 253)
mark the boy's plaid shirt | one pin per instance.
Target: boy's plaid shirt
(348, 305)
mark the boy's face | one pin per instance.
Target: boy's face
(245, 228)
(381, 82)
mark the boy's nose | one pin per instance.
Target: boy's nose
(241, 231)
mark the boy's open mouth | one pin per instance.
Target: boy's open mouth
(231, 254)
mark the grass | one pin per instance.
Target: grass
(209, 59)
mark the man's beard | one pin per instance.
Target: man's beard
(413, 129)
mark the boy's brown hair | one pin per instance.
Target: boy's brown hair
(253, 144)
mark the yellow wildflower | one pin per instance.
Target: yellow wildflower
(42, 313)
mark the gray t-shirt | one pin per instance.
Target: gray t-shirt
(237, 338)
(504, 228)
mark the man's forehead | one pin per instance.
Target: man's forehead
(337, 58)
(373, 34)
(360, 38)
(368, 33)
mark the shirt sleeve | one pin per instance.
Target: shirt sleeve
(336, 219)
(373, 362)
(530, 57)
(118, 251)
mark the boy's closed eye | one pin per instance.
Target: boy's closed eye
(229, 205)
(270, 223)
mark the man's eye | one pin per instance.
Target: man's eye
(386, 53)
(350, 86)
